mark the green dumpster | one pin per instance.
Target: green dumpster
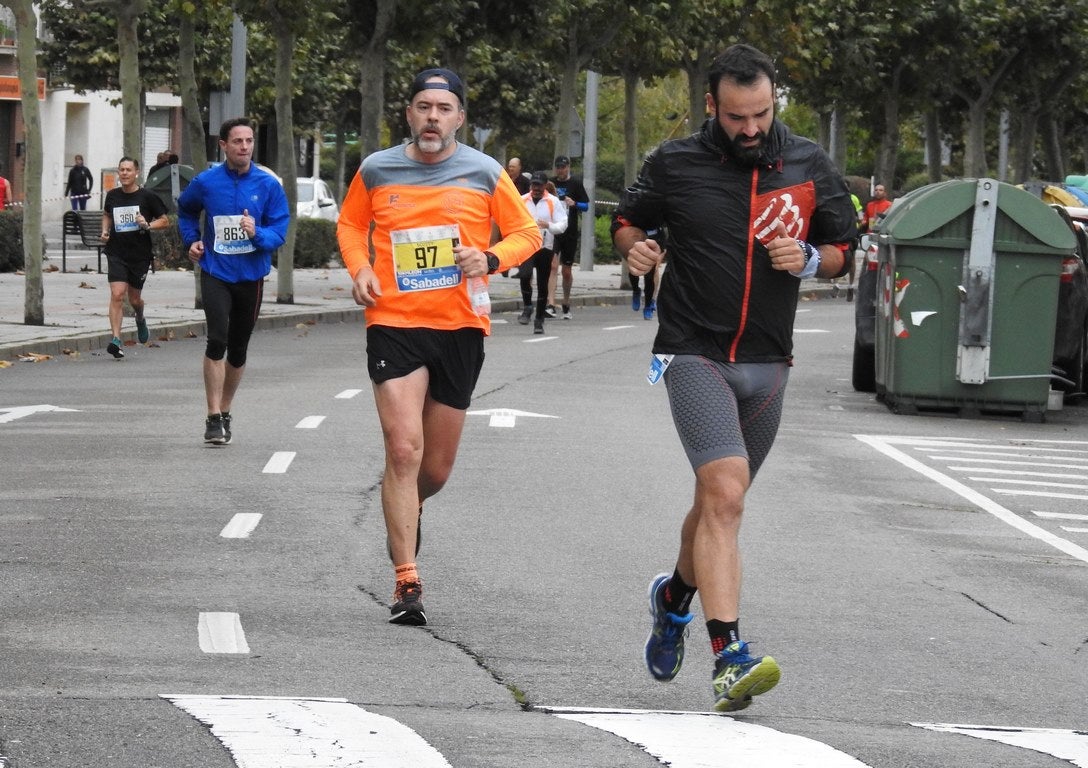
(967, 299)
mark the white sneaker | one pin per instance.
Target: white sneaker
(568, 315)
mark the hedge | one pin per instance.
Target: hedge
(11, 241)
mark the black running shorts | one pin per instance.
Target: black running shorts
(453, 359)
(726, 409)
(122, 270)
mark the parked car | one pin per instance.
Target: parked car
(315, 200)
(1071, 333)
(864, 370)
(1070, 367)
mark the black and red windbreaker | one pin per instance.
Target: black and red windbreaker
(719, 296)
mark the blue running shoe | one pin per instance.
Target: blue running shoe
(143, 333)
(648, 313)
(636, 301)
(665, 645)
(738, 677)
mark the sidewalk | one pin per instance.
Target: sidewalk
(76, 303)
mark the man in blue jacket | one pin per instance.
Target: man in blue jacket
(246, 217)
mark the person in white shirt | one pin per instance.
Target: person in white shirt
(551, 217)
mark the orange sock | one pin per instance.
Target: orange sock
(406, 574)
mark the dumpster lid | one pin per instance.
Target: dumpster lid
(927, 209)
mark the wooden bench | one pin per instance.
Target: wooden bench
(87, 226)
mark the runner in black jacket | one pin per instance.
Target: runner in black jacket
(750, 208)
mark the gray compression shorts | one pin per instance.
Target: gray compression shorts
(726, 409)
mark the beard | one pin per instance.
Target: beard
(430, 145)
(748, 154)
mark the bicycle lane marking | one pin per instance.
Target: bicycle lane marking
(884, 444)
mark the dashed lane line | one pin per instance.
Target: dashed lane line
(241, 525)
(279, 462)
(221, 632)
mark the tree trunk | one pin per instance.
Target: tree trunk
(888, 157)
(286, 148)
(1027, 126)
(933, 146)
(372, 77)
(26, 22)
(190, 101)
(128, 14)
(568, 82)
(1052, 146)
(974, 155)
(630, 128)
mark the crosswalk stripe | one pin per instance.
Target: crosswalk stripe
(1063, 744)
(262, 731)
(706, 740)
(310, 422)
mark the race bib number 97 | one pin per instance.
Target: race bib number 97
(230, 238)
(423, 258)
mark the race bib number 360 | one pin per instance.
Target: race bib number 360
(230, 238)
(423, 257)
(124, 218)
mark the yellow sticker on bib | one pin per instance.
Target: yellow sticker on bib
(423, 258)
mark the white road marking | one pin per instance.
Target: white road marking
(221, 632)
(308, 733)
(507, 417)
(22, 411)
(241, 525)
(1071, 529)
(279, 462)
(618, 327)
(1010, 463)
(347, 394)
(1044, 494)
(1019, 473)
(1043, 483)
(310, 422)
(884, 445)
(706, 740)
(536, 339)
(810, 330)
(1059, 515)
(1063, 744)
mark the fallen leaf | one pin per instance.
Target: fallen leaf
(33, 357)
(87, 285)
(70, 352)
(52, 268)
(4, 364)
(190, 335)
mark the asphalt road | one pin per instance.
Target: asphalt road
(904, 570)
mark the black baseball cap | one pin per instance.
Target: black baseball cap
(561, 161)
(539, 178)
(453, 83)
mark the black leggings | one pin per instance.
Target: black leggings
(230, 312)
(542, 264)
(650, 283)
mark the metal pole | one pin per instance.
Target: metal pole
(589, 174)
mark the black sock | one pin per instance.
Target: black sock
(722, 633)
(678, 594)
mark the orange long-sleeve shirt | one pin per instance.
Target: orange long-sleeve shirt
(409, 215)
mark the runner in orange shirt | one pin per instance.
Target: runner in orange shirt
(432, 203)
